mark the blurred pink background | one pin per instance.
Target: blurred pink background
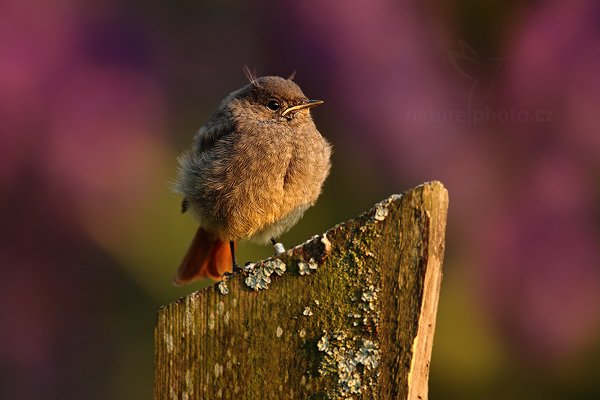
(498, 100)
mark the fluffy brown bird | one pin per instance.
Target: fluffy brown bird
(255, 167)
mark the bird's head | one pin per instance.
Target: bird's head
(272, 99)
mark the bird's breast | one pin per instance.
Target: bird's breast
(261, 176)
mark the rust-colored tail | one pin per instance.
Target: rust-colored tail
(206, 258)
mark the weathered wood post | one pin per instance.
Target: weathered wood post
(348, 314)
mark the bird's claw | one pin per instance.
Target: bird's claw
(279, 249)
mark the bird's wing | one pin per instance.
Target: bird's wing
(220, 124)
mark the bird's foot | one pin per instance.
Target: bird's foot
(279, 249)
(245, 270)
(234, 269)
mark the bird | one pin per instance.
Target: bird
(255, 166)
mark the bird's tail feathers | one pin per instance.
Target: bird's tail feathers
(206, 257)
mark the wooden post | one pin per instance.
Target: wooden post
(348, 314)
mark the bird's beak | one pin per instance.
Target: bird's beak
(307, 104)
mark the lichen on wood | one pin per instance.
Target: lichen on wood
(347, 314)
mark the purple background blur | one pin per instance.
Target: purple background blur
(498, 100)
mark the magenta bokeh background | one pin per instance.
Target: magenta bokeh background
(499, 101)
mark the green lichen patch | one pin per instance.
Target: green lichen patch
(350, 362)
(259, 275)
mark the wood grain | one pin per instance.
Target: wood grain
(352, 316)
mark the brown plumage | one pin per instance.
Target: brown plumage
(256, 165)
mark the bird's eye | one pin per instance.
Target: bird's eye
(273, 105)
